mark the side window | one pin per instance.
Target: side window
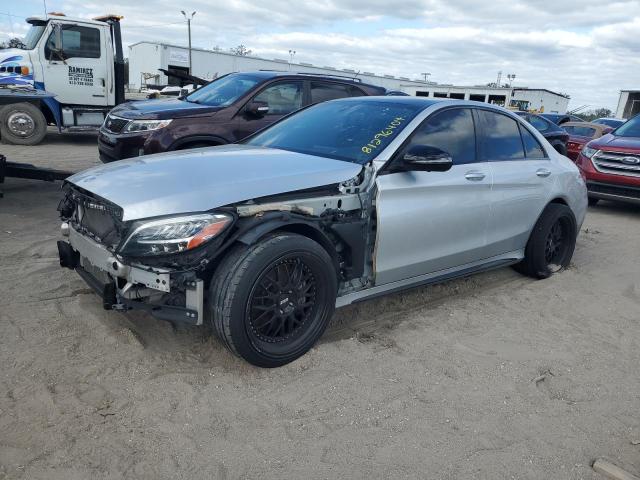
(323, 91)
(77, 42)
(532, 147)
(501, 139)
(451, 131)
(282, 98)
(538, 123)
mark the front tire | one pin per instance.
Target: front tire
(551, 243)
(22, 124)
(273, 300)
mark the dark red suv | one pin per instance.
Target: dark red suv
(226, 110)
(611, 164)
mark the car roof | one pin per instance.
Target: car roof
(423, 102)
(269, 74)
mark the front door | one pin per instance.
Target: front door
(432, 221)
(282, 98)
(76, 71)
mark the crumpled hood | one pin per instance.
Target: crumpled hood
(161, 109)
(205, 178)
(14, 59)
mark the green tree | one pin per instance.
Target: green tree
(14, 42)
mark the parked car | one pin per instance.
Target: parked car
(610, 122)
(580, 133)
(611, 164)
(341, 202)
(554, 134)
(560, 118)
(224, 111)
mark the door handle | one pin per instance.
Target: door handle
(474, 176)
(543, 172)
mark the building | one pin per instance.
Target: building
(145, 58)
(531, 99)
(628, 104)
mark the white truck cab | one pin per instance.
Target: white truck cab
(69, 74)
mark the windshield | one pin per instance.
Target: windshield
(33, 35)
(631, 128)
(224, 91)
(355, 131)
(609, 122)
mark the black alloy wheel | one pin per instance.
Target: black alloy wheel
(282, 301)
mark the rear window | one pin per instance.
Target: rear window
(581, 131)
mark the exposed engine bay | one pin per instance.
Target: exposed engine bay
(172, 285)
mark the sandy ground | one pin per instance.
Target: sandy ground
(439, 382)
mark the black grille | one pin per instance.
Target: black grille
(114, 124)
(614, 190)
(97, 218)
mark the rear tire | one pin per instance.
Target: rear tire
(273, 300)
(593, 201)
(560, 147)
(22, 124)
(551, 243)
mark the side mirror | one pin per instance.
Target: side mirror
(258, 109)
(426, 159)
(56, 48)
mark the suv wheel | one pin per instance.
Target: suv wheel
(551, 244)
(273, 300)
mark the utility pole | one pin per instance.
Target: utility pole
(511, 77)
(189, 29)
(426, 77)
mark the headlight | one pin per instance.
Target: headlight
(145, 125)
(173, 235)
(588, 151)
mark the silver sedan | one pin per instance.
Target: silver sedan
(335, 204)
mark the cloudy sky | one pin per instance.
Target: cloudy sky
(588, 49)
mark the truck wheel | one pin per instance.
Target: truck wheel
(273, 300)
(22, 124)
(551, 243)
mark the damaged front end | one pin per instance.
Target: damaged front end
(95, 237)
(163, 265)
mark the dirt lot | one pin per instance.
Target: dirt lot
(439, 382)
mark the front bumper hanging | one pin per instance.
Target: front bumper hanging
(127, 287)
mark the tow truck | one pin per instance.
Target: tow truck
(70, 73)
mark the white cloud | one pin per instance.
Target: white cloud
(586, 48)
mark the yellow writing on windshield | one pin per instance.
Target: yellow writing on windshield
(377, 139)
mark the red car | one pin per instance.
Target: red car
(611, 164)
(581, 133)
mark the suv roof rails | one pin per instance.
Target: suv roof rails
(352, 78)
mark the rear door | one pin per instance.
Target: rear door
(80, 77)
(522, 180)
(432, 221)
(282, 98)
